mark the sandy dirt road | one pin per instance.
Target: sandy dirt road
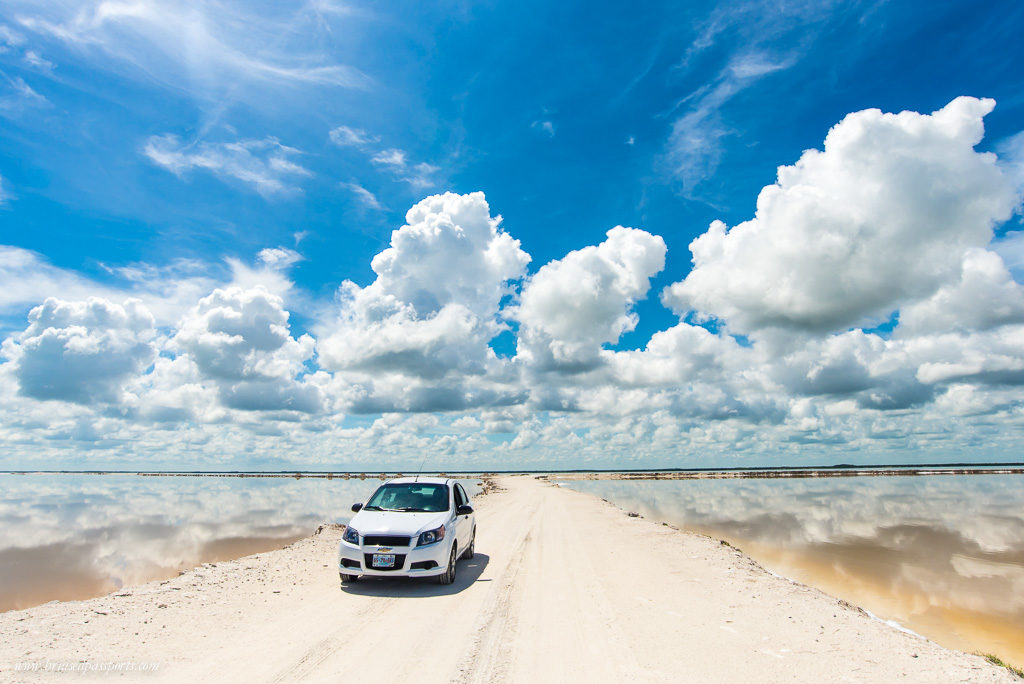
(564, 588)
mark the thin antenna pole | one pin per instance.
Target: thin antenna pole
(421, 467)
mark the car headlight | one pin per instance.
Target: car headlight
(351, 536)
(431, 537)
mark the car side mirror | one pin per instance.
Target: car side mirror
(356, 507)
(464, 510)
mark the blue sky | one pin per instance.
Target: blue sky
(165, 150)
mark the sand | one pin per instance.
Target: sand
(564, 587)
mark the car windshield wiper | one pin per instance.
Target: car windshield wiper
(372, 508)
(412, 509)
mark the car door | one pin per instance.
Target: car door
(463, 523)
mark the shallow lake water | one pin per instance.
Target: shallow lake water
(69, 537)
(941, 555)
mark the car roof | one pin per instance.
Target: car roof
(422, 478)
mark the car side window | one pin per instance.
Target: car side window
(460, 495)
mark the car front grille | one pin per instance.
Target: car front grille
(385, 540)
(399, 562)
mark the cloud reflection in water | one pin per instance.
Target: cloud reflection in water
(70, 537)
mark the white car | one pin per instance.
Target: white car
(410, 527)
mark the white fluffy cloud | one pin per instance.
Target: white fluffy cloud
(450, 251)
(82, 352)
(984, 296)
(573, 306)
(881, 217)
(892, 221)
(434, 303)
(240, 339)
(416, 338)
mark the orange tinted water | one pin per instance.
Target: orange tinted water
(70, 537)
(974, 621)
(64, 571)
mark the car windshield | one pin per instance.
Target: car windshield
(410, 496)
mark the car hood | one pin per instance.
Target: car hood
(397, 522)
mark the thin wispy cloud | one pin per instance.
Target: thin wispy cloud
(33, 59)
(352, 137)
(695, 143)
(16, 95)
(363, 196)
(266, 164)
(545, 127)
(419, 176)
(393, 160)
(391, 157)
(192, 45)
(10, 37)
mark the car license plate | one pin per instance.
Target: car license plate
(383, 560)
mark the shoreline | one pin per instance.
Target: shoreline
(758, 557)
(544, 597)
(839, 470)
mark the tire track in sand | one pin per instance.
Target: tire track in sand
(316, 654)
(488, 658)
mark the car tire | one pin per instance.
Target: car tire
(348, 579)
(449, 574)
(471, 549)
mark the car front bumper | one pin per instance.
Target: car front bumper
(416, 561)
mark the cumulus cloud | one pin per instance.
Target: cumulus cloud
(574, 305)
(450, 251)
(983, 297)
(434, 304)
(167, 291)
(82, 352)
(240, 339)
(265, 164)
(881, 217)
(892, 221)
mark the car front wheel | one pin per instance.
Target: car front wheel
(348, 579)
(449, 575)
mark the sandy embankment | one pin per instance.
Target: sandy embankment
(564, 587)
